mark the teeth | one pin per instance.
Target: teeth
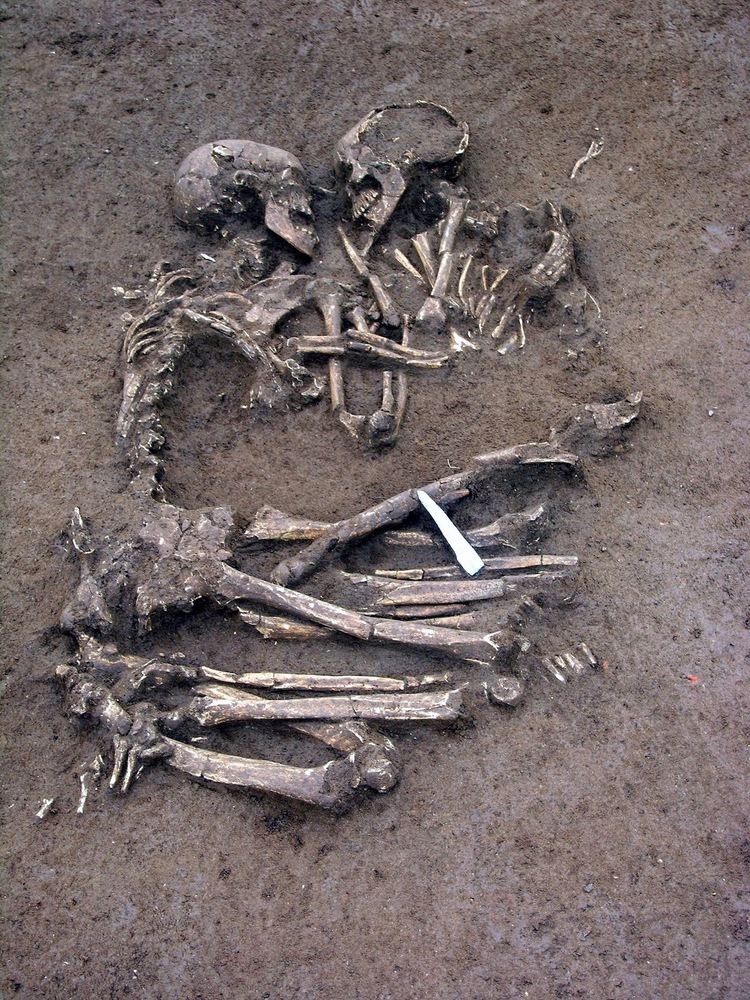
(362, 201)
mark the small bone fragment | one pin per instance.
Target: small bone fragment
(44, 809)
(469, 559)
(464, 621)
(343, 736)
(553, 670)
(573, 664)
(458, 343)
(463, 278)
(280, 627)
(506, 689)
(84, 780)
(212, 707)
(421, 244)
(412, 539)
(507, 530)
(592, 660)
(407, 265)
(451, 621)
(130, 770)
(326, 682)
(120, 747)
(270, 524)
(595, 428)
(330, 786)
(595, 148)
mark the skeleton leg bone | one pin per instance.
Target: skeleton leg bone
(359, 683)
(397, 508)
(231, 585)
(378, 761)
(330, 786)
(216, 705)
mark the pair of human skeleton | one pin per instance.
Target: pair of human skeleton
(430, 275)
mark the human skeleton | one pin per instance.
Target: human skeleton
(432, 275)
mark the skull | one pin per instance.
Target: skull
(232, 178)
(390, 148)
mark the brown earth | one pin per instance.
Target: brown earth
(592, 844)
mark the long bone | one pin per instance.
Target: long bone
(216, 705)
(433, 310)
(372, 759)
(330, 786)
(400, 506)
(134, 674)
(497, 564)
(441, 616)
(482, 589)
(351, 683)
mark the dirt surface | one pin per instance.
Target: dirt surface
(594, 842)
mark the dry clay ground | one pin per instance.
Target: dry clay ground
(593, 843)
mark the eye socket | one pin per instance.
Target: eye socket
(367, 183)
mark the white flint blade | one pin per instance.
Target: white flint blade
(468, 557)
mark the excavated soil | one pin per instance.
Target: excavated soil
(592, 843)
